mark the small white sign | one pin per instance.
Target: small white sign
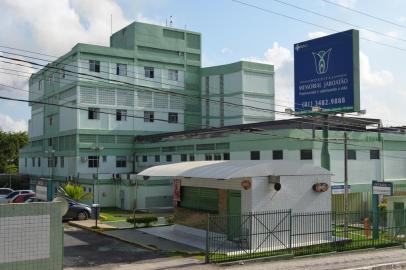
(339, 189)
(382, 188)
(41, 192)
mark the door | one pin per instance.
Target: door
(399, 217)
(234, 214)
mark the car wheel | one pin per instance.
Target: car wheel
(82, 215)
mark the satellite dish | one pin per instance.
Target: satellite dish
(64, 204)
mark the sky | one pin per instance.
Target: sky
(231, 31)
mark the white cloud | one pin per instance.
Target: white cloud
(316, 34)
(371, 78)
(277, 56)
(226, 50)
(347, 3)
(141, 18)
(9, 124)
(402, 19)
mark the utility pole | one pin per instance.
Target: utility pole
(345, 186)
(97, 149)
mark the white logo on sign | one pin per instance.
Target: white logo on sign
(321, 59)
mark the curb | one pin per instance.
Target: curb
(115, 237)
(385, 266)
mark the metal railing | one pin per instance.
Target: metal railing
(285, 233)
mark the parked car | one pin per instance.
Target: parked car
(21, 198)
(5, 191)
(77, 211)
(10, 197)
(34, 199)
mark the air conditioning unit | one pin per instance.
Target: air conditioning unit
(83, 159)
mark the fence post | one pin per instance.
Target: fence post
(207, 239)
(290, 230)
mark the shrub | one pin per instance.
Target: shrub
(170, 219)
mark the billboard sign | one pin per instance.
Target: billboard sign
(327, 73)
(382, 188)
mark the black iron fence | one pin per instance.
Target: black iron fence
(284, 233)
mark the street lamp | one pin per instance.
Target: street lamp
(51, 154)
(97, 149)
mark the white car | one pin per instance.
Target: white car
(10, 197)
(5, 191)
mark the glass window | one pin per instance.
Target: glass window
(33, 161)
(277, 154)
(226, 156)
(148, 117)
(50, 120)
(49, 141)
(208, 157)
(121, 115)
(217, 156)
(169, 158)
(157, 158)
(351, 154)
(191, 157)
(172, 117)
(173, 75)
(306, 154)
(39, 162)
(144, 158)
(255, 155)
(149, 72)
(62, 161)
(121, 161)
(104, 158)
(183, 157)
(93, 113)
(121, 69)
(374, 154)
(25, 162)
(93, 161)
(94, 65)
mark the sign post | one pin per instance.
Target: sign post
(378, 188)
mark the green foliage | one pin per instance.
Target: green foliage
(75, 192)
(170, 219)
(10, 144)
(146, 220)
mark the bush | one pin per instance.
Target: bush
(146, 220)
(170, 219)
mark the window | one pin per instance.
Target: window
(49, 141)
(173, 75)
(136, 158)
(40, 84)
(374, 154)
(93, 161)
(226, 156)
(25, 162)
(172, 117)
(62, 161)
(144, 158)
(52, 162)
(62, 71)
(39, 162)
(183, 157)
(149, 72)
(94, 65)
(121, 161)
(50, 120)
(168, 158)
(33, 161)
(208, 157)
(121, 115)
(306, 154)
(93, 113)
(191, 157)
(217, 156)
(351, 154)
(149, 117)
(255, 155)
(121, 69)
(50, 79)
(277, 154)
(104, 158)
(157, 158)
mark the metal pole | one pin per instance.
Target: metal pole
(97, 175)
(325, 155)
(345, 186)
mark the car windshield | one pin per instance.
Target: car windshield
(4, 191)
(12, 194)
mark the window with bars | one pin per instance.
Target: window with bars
(94, 65)
(172, 117)
(121, 115)
(217, 156)
(277, 154)
(149, 72)
(183, 157)
(255, 155)
(306, 154)
(157, 158)
(168, 158)
(191, 157)
(144, 158)
(93, 113)
(351, 154)
(93, 161)
(148, 116)
(39, 162)
(121, 69)
(33, 161)
(173, 75)
(208, 157)
(226, 156)
(121, 161)
(373, 154)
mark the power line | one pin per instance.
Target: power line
(364, 13)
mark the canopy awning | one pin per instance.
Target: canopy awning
(229, 169)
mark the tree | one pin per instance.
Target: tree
(74, 191)
(10, 144)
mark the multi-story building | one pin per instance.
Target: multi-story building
(87, 106)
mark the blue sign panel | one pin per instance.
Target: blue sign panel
(382, 188)
(327, 73)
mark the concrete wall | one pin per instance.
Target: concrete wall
(31, 236)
